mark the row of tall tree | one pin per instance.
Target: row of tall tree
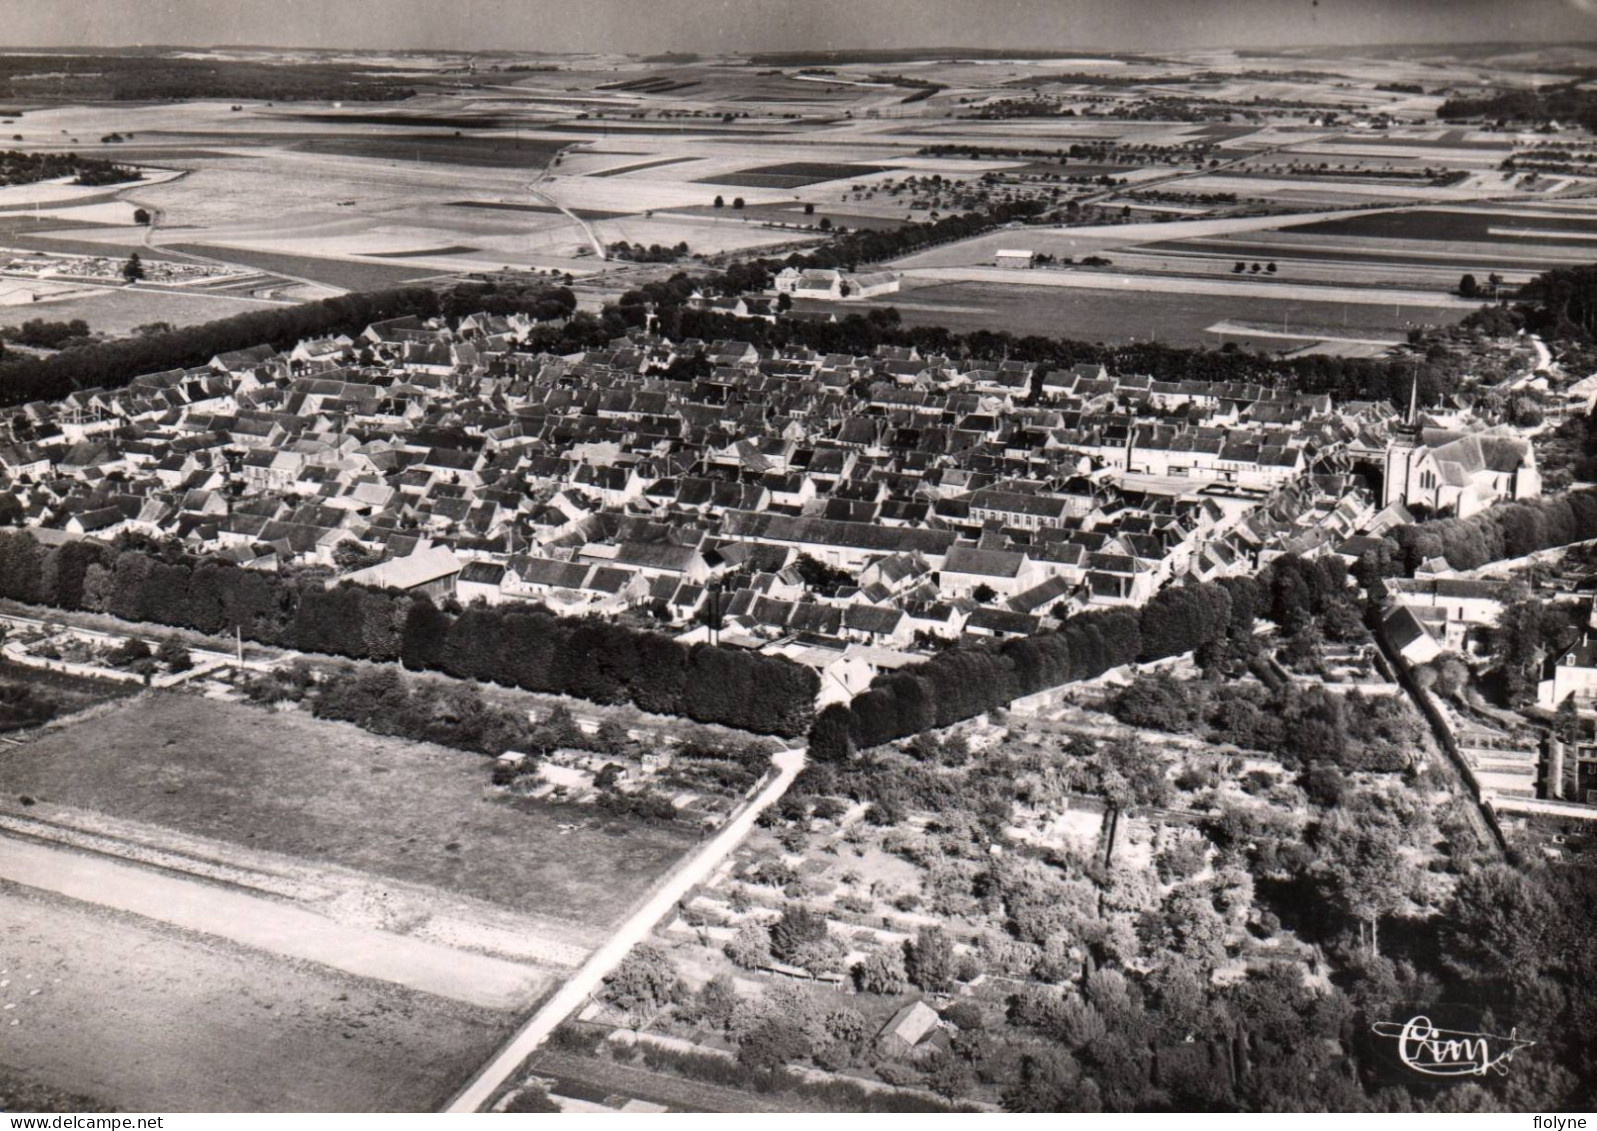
(969, 679)
(1508, 530)
(114, 364)
(1342, 378)
(517, 646)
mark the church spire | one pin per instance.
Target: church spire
(1413, 399)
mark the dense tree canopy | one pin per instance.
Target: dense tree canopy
(517, 646)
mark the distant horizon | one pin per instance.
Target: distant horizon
(911, 50)
(758, 27)
(928, 49)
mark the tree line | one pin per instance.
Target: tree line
(521, 646)
(1564, 102)
(867, 245)
(18, 168)
(1342, 378)
(971, 678)
(1507, 530)
(136, 76)
(1560, 304)
(114, 364)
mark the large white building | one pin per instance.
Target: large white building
(1574, 675)
(1445, 470)
(831, 284)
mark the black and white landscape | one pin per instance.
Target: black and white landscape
(709, 557)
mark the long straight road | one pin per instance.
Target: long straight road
(586, 980)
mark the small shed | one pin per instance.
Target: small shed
(906, 1030)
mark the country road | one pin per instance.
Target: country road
(535, 189)
(586, 980)
(157, 214)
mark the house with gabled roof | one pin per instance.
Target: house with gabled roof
(432, 571)
(966, 569)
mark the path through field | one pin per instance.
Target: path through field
(585, 981)
(271, 925)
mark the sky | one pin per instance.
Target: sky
(711, 26)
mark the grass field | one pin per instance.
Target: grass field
(656, 164)
(442, 149)
(344, 273)
(1442, 224)
(321, 791)
(506, 206)
(26, 224)
(117, 311)
(794, 174)
(143, 1018)
(1262, 249)
(77, 240)
(402, 118)
(794, 214)
(1115, 316)
(418, 253)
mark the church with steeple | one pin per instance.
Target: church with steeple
(1449, 471)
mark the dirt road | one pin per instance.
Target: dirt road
(585, 981)
(267, 924)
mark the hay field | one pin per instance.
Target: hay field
(118, 310)
(145, 1018)
(318, 791)
(1114, 315)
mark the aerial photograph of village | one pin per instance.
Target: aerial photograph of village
(736, 556)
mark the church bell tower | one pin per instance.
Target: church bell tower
(1400, 449)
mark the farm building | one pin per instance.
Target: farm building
(1014, 257)
(833, 284)
(913, 1032)
(827, 284)
(432, 572)
(871, 284)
